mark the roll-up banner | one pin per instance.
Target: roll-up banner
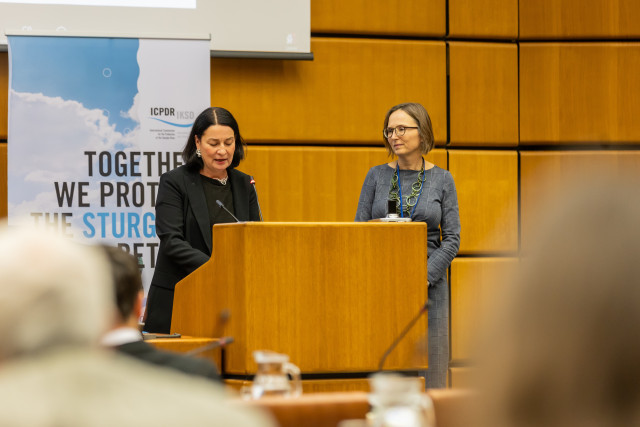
(93, 123)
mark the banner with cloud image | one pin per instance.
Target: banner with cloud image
(93, 123)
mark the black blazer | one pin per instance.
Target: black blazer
(182, 221)
(185, 364)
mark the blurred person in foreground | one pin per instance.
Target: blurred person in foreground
(125, 336)
(56, 301)
(565, 346)
(187, 207)
(423, 192)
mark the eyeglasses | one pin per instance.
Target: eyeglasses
(399, 130)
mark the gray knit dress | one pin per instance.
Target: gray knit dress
(438, 207)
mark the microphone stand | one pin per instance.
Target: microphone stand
(222, 342)
(253, 182)
(227, 210)
(402, 335)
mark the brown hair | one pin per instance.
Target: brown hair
(126, 276)
(418, 113)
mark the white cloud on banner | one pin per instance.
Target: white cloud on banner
(70, 128)
(133, 111)
(57, 154)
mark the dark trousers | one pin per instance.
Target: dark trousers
(159, 310)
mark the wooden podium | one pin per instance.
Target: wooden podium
(333, 296)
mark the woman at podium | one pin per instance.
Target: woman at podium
(421, 191)
(206, 190)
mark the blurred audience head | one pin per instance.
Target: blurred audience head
(566, 339)
(53, 292)
(127, 281)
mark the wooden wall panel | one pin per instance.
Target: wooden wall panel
(549, 178)
(391, 17)
(4, 94)
(4, 196)
(475, 284)
(579, 19)
(314, 183)
(483, 94)
(579, 93)
(340, 97)
(487, 185)
(496, 19)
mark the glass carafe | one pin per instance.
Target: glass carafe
(272, 376)
(398, 401)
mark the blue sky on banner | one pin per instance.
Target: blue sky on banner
(58, 67)
(68, 95)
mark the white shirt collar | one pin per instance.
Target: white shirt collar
(121, 336)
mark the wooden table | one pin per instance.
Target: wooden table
(453, 408)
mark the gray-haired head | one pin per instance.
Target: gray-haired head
(53, 292)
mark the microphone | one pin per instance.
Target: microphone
(392, 216)
(222, 342)
(253, 182)
(392, 206)
(223, 319)
(402, 334)
(227, 210)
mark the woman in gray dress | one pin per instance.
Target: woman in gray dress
(423, 192)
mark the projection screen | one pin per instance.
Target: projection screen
(251, 28)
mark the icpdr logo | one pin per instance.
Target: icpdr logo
(167, 112)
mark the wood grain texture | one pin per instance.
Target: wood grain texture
(314, 183)
(483, 94)
(303, 288)
(186, 344)
(487, 185)
(339, 385)
(340, 97)
(315, 386)
(495, 19)
(579, 93)
(321, 386)
(391, 17)
(4, 195)
(4, 94)
(571, 19)
(475, 285)
(548, 179)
